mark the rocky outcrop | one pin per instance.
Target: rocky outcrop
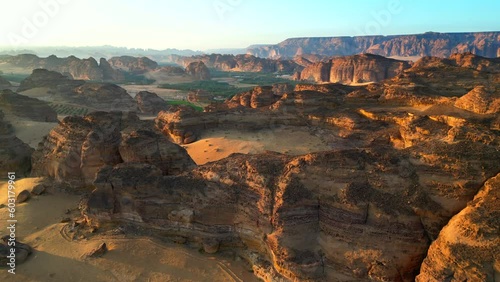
(103, 96)
(260, 96)
(134, 65)
(239, 63)
(150, 103)
(149, 147)
(480, 100)
(15, 155)
(99, 96)
(22, 251)
(42, 78)
(355, 69)
(25, 107)
(109, 73)
(4, 83)
(403, 162)
(468, 247)
(198, 70)
(86, 69)
(79, 146)
(184, 125)
(484, 44)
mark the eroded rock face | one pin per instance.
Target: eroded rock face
(403, 161)
(260, 96)
(104, 96)
(468, 247)
(150, 147)
(26, 107)
(86, 69)
(355, 69)
(480, 100)
(15, 155)
(79, 146)
(243, 63)
(109, 73)
(150, 103)
(136, 65)
(198, 70)
(428, 44)
(184, 125)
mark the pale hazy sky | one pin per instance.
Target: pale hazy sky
(205, 24)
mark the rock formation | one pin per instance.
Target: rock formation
(99, 96)
(260, 96)
(242, 63)
(134, 65)
(79, 146)
(354, 69)
(480, 100)
(484, 44)
(468, 247)
(144, 146)
(104, 96)
(403, 162)
(198, 70)
(25, 107)
(15, 155)
(42, 78)
(86, 69)
(109, 73)
(150, 103)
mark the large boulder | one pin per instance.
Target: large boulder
(198, 70)
(150, 103)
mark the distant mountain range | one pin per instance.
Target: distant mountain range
(486, 44)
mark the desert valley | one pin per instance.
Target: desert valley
(366, 158)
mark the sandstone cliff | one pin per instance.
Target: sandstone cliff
(198, 70)
(135, 65)
(87, 69)
(99, 96)
(428, 44)
(79, 146)
(468, 248)
(403, 161)
(243, 63)
(354, 69)
(150, 103)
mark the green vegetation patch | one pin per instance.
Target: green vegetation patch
(186, 103)
(68, 110)
(216, 88)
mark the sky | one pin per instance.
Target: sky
(211, 24)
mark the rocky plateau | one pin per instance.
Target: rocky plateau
(408, 190)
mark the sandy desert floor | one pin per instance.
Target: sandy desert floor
(57, 258)
(31, 132)
(219, 144)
